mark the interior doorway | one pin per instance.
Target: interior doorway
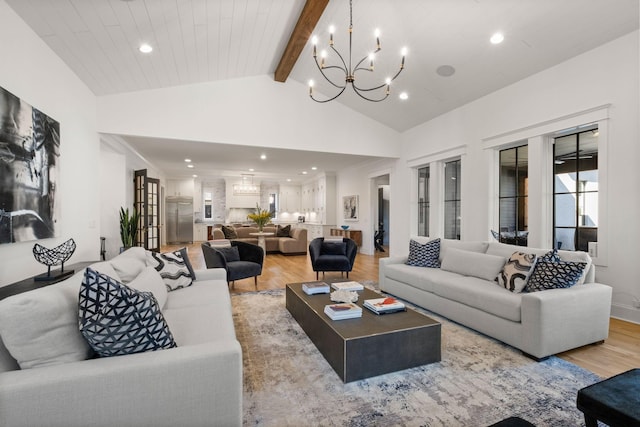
(381, 223)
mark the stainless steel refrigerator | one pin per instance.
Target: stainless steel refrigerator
(179, 216)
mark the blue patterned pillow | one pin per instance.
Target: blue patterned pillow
(424, 255)
(554, 275)
(117, 320)
(551, 256)
(173, 268)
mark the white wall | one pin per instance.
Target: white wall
(112, 196)
(32, 72)
(253, 111)
(606, 75)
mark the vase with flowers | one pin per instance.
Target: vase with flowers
(260, 217)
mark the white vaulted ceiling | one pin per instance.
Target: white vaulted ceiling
(212, 40)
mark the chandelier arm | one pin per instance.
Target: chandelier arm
(377, 87)
(357, 91)
(330, 99)
(327, 78)
(364, 59)
(345, 69)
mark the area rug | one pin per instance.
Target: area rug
(480, 381)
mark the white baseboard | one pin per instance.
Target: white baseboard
(625, 312)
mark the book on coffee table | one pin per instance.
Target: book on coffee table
(347, 286)
(384, 305)
(313, 288)
(342, 311)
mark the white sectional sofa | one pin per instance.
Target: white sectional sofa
(540, 324)
(197, 383)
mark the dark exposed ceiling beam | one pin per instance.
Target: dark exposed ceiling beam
(307, 21)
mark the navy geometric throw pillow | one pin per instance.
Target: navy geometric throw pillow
(554, 275)
(551, 256)
(117, 320)
(424, 255)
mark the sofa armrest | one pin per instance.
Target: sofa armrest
(218, 234)
(190, 385)
(299, 233)
(382, 264)
(557, 320)
(211, 274)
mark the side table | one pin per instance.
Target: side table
(31, 284)
(614, 401)
(261, 235)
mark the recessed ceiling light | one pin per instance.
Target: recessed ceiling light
(288, 179)
(195, 176)
(304, 172)
(251, 169)
(263, 156)
(313, 168)
(190, 166)
(145, 48)
(404, 96)
(497, 38)
(187, 160)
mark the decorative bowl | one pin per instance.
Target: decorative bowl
(345, 227)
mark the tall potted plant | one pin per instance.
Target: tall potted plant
(128, 227)
(260, 217)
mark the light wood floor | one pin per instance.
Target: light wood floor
(619, 353)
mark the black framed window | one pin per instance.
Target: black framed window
(423, 201)
(575, 190)
(513, 196)
(452, 172)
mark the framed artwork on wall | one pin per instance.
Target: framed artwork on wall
(29, 157)
(350, 211)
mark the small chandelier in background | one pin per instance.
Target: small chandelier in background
(350, 71)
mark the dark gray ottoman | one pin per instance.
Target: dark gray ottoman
(615, 401)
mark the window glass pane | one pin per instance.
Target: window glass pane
(565, 206)
(586, 235)
(565, 238)
(508, 187)
(588, 180)
(423, 201)
(565, 183)
(523, 171)
(451, 181)
(588, 209)
(565, 164)
(452, 220)
(508, 209)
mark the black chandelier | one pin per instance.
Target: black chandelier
(348, 70)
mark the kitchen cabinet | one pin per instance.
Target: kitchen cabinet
(318, 200)
(184, 188)
(289, 198)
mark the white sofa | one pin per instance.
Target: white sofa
(197, 383)
(540, 324)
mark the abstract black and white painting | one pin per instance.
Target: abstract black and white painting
(29, 154)
(350, 208)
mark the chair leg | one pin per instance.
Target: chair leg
(347, 274)
(317, 275)
(342, 274)
(255, 281)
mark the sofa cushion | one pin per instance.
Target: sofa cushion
(103, 267)
(40, 327)
(333, 248)
(149, 280)
(418, 277)
(424, 255)
(200, 324)
(516, 271)
(230, 254)
(172, 267)
(229, 232)
(447, 244)
(116, 319)
(483, 295)
(128, 264)
(554, 275)
(283, 231)
(474, 264)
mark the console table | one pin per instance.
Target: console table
(31, 284)
(355, 235)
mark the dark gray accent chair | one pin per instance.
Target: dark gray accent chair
(249, 265)
(332, 255)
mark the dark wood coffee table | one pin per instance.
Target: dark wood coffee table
(370, 345)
